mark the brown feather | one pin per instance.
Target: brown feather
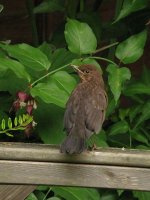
(85, 110)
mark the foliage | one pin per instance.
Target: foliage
(20, 123)
(44, 74)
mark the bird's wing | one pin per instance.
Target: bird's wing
(72, 107)
(95, 107)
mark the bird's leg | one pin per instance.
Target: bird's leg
(94, 147)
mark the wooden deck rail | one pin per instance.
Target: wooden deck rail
(34, 164)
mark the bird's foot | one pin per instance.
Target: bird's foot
(93, 147)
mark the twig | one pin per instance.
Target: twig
(105, 47)
(48, 74)
(105, 59)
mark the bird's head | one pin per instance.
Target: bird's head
(88, 72)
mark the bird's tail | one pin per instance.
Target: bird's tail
(73, 144)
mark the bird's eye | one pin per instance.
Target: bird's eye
(86, 71)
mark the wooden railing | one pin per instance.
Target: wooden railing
(34, 164)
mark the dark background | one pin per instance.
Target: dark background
(15, 25)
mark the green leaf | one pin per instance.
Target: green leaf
(134, 111)
(132, 48)
(50, 93)
(123, 113)
(20, 120)
(111, 106)
(135, 134)
(3, 124)
(2, 54)
(74, 193)
(9, 134)
(16, 67)
(40, 195)
(141, 195)
(146, 76)
(29, 56)
(24, 117)
(9, 123)
(46, 49)
(120, 192)
(62, 57)
(54, 198)
(29, 119)
(117, 76)
(56, 90)
(109, 195)
(42, 187)
(49, 6)
(31, 197)
(64, 80)
(49, 120)
(119, 128)
(142, 147)
(137, 99)
(12, 83)
(80, 37)
(130, 6)
(136, 88)
(91, 19)
(145, 114)
(15, 121)
(98, 139)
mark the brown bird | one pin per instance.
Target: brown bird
(85, 109)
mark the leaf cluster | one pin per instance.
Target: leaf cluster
(19, 123)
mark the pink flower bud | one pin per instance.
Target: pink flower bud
(29, 109)
(22, 96)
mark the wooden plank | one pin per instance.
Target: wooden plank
(24, 172)
(15, 192)
(50, 153)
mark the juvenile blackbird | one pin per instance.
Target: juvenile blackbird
(85, 109)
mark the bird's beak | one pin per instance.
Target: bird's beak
(77, 69)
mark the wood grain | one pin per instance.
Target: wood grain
(15, 192)
(50, 153)
(34, 164)
(24, 172)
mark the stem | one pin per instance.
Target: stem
(105, 59)
(81, 5)
(30, 6)
(130, 140)
(48, 74)
(105, 47)
(52, 72)
(47, 193)
(12, 129)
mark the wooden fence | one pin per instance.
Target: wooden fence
(34, 164)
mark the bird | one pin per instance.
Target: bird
(85, 109)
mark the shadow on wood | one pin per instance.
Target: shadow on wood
(34, 164)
